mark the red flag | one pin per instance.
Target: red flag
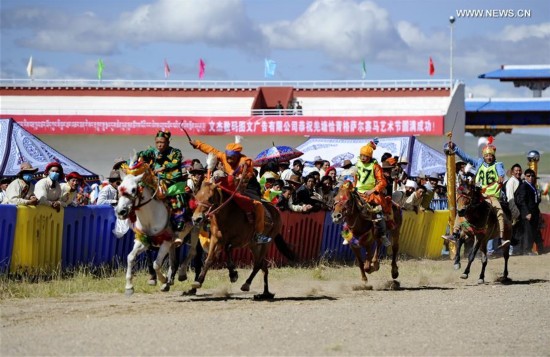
(202, 67)
(166, 69)
(432, 67)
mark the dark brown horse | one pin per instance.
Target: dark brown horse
(230, 227)
(348, 209)
(481, 224)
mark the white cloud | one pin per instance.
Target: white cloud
(524, 32)
(222, 23)
(343, 29)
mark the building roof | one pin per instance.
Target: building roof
(507, 105)
(510, 73)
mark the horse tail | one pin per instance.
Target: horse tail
(284, 248)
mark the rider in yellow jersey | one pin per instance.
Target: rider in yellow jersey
(490, 175)
(370, 184)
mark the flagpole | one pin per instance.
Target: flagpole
(452, 21)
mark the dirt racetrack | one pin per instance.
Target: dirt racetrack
(315, 312)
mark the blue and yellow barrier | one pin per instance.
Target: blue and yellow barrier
(88, 237)
(38, 239)
(8, 218)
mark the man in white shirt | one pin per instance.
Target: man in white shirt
(196, 176)
(109, 194)
(4, 182)
(48, 189)
(21, 190)
(414, 201)
(511, 186)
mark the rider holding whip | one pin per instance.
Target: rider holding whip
(490, 175)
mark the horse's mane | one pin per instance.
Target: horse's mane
(139, 167)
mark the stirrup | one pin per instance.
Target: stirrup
(504, 243)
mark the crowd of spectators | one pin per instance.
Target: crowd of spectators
(285, 185)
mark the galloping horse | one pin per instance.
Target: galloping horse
(347, 208)
(137, 199)
(481, 223)
(230, 227)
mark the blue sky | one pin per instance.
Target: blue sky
(309, 40)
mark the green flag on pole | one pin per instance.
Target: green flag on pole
(100, 66)
(364, 68)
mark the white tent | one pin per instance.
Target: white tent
(422, 158)
(17, 145)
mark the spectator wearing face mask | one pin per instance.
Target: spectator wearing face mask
(21, 190)
(48, 189)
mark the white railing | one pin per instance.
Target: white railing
(194, 84)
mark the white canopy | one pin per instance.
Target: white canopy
(422, 158)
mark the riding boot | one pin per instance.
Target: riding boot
(380, 225)
(452, 237)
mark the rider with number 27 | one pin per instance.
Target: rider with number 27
(370, 184)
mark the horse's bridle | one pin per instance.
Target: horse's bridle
(220, 204)
(346, 203)
(469, 199)
(138, 197)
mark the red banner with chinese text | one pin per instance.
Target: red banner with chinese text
(284, 125)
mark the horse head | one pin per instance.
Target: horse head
(468, 195)
(206, 199)
(342, 202)
(136, 189)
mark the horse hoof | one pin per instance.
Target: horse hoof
(464, 276)
(196, 285)
(457, 266)
(481, 281)
(264, 296)
(395, 285)
(189, 292)
(165, 287)
(182, 277)
(233, 276)
(152, 282)
(129, 292)
(245, 287)
(395, 274)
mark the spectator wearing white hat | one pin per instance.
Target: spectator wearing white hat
(21, 190)
(400, 196)
(414, 201)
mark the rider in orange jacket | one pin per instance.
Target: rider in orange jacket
(239, 166)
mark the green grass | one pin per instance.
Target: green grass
(107, 281)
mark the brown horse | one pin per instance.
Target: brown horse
(230, 227)
(481, 224)
(348, 208)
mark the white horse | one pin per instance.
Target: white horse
(137, 196)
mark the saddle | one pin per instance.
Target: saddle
(367, 210)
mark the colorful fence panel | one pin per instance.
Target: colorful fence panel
(38, 237)
(302, 232)
(331, 245)
(88, 237)
(8, 218)
(421, 233)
